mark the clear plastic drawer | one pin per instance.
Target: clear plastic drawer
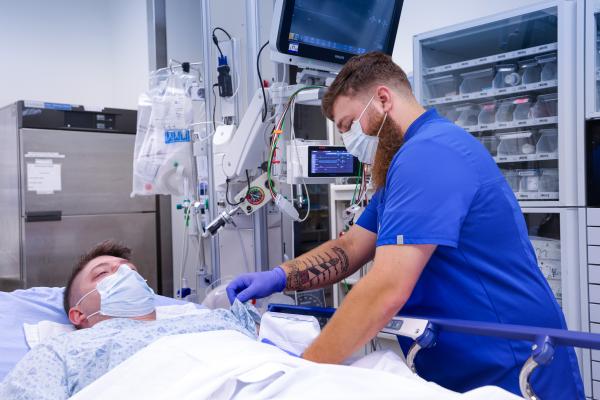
(513, 178)
(546, 105)
(505, 111)
(490, 143)
(522, 108)
(487, 114)
(548, 180)
(549, 67)
(530, 71)
(469, 114)
(476, 81)
(506, 76)
(529, 180)
(441, 86)
(514, 144)
(548, 141)
(450, 112)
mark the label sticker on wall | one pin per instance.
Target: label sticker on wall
(43, 154)
(44, 177)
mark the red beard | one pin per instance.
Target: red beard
(390, 140)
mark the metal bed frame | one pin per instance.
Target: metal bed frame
(423, 331)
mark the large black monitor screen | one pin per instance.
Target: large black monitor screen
(335, 30)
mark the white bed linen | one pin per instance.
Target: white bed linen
(229, 365)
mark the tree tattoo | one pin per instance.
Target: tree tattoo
(317, 270)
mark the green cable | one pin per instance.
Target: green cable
(270, 163)
(358, 182)
(346, 286)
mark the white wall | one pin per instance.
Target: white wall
(86, 52)
(420, 16)
(128, 41)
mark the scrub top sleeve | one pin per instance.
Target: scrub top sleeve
(429, 190)
(368, 218)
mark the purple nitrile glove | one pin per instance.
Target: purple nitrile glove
(256, 285)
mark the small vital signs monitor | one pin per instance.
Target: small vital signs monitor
(312, 161)
(331, 161)
(330, 32)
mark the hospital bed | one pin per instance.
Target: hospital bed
(37, 304)
(424, 330)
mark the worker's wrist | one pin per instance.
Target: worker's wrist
(282, 280)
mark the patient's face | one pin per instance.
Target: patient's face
(86, 281)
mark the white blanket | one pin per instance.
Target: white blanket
(228, 365)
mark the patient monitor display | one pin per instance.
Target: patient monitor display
(329, 32)
(331, 161)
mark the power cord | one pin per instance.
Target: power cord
(224, 78)
(216, 40)
(231, 203)
(262, 86)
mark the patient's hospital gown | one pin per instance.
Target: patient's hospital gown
(62, 366)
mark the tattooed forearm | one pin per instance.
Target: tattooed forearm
(317, 269)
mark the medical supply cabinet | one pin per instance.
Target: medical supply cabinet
(590, 258)
(511, 80)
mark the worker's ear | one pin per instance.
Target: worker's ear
(77, 317)
(384, 98)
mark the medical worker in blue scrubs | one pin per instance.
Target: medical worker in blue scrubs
(447, 237)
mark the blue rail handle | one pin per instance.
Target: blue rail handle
(559, 337)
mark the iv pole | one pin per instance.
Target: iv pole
(212, 198)
(259, 218)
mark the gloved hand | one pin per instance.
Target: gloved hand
(256, 285)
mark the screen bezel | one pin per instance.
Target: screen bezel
(340, 149)
(329, 55)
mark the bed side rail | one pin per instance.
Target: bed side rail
(423, 331)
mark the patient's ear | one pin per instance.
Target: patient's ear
(76, 316)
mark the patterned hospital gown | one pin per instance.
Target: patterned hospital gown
(62, 366)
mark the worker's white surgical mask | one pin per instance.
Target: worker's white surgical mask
(123, 294)
(358, 143)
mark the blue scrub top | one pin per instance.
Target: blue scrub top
(444, 188)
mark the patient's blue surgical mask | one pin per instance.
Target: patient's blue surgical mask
(123, 294)
(358, 143)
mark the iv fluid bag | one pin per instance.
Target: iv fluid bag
(163, 161)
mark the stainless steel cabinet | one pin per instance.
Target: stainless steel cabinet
(52, 247)
(95, 172)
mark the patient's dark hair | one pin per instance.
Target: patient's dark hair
(105, 248)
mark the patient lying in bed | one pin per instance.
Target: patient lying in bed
(116, 320)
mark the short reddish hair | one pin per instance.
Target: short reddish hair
(363, 72)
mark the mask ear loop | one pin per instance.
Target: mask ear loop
(84, 296)
(92, 314)
(365, 109)
(382, 123)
